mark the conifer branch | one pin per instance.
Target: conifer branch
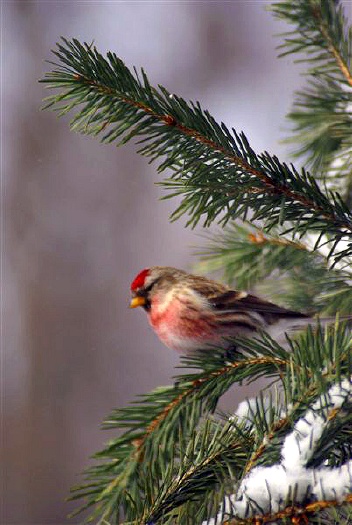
(321, 31)
(208, 454)
(148, 443)
(322, 110)
(298, 515)
(216, 172)
(333, 42)
(281, 425)
(136, 463)
(342, 65)
(197, 384)
(299, 476)
(259, 451)
(198, 472)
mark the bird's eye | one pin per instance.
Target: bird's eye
(150, 286)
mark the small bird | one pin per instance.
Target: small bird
(190, 313)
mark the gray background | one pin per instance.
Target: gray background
(80, 219)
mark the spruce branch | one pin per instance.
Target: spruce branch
(154, 425)
(318, 359)
(322, 110)
(216, 171)
(298, 477)
(310, 513)
(261, 443)
(213, 455)
(144, 469)
(321, 31)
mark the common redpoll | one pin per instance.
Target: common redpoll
(190, 313)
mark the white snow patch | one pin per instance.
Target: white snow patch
(267, 490)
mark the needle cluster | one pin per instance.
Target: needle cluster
(322, 111)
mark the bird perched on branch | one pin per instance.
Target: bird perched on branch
(190, 312)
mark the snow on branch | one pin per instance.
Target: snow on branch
(269, 490)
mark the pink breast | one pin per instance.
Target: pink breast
(182, 327)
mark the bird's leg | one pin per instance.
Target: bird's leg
(231, 353)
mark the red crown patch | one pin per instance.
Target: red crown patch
(138, 282)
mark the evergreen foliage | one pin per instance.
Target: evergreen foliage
(178, 461)
(291, 272)
(216, 171)
(322, 112)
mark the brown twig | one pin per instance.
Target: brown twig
(262, 447)
(298, 515)
(331, 47)
(195, 385)
(260, 238)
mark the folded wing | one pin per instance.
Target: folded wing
(240, 303)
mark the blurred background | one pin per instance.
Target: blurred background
(80, 219)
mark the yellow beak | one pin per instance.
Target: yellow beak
(137, 301)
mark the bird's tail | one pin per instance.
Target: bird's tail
(290, 326)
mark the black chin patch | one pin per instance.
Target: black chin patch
(147, 305)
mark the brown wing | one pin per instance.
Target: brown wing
(210, 289)
(233, 301)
